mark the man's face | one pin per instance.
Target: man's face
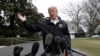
(53, 13)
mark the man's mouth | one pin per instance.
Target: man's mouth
(52, 15)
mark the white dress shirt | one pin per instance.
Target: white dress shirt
(54, 21)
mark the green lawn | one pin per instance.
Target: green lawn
(13, 40)
(88, 45)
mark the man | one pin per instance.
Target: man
(52, 25)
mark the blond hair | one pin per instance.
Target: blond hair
(52, 7)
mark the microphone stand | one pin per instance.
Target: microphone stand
(61, 54)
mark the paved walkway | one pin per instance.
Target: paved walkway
(8, 51)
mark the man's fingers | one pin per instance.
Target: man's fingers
(21, 17)
(19, 14)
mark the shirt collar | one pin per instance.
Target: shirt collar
(54, 21)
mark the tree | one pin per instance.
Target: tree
(87, 15)
(9, 22)
(90, 15)
(75, 14)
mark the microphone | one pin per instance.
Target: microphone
(35, 48)
(64, 43)
(48, 39)
(68, 42)
(17, 50)
(57, 39)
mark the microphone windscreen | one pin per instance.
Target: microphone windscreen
(48, 39)
(17, 50)
(57, 39)
(64, 42)
(35, 48)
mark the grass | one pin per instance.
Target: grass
(12, 40)
(88, 45)
(9, 41)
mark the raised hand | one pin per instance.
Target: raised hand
(21, 17)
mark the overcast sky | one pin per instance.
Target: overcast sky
(43, 5)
